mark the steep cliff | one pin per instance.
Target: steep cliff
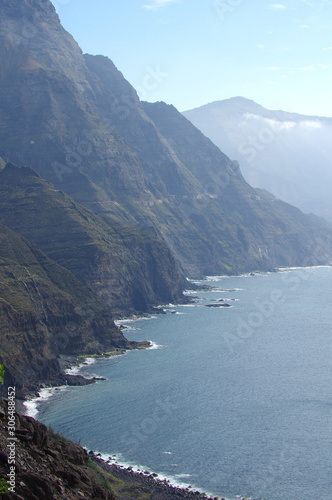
(47, 107)
(248, 228)
(129, 270)
(44, 312)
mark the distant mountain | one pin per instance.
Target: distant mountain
(288, 154)
(77, 122)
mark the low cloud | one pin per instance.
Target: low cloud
(310, 124)
(279, 125)
(270, 122)
(277, 6)
(313, 67)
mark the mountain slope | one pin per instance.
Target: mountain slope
(44, 312)
(286, 153)
(77, 121)
(129, 270)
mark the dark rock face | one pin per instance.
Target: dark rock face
(44, 312)
(246, 228)
(62, 306)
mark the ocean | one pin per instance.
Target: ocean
(234, 398)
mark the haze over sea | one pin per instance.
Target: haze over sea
(232, 400)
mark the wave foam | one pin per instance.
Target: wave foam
(118, 461)
(32, 404)
(75, 370)
(155, 346)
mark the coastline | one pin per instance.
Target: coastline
(159, 484)
(71, 366)
(161, 487)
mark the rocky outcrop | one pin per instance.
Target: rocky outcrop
(45, 312)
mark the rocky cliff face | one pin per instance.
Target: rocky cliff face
(45, 89)
(128, 269)
(44, 312)
(248, 228)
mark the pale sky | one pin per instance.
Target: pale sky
(192, 52)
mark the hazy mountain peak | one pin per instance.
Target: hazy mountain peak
(286, 153)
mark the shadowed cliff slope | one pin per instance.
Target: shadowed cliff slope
(129, 270)
(44, 312)
(250, 227)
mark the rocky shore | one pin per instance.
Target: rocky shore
(42, 465)
(141, 484)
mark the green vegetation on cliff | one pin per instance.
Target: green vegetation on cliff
(128, 269)
(44, 312)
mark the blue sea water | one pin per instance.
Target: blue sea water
(232, 400)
